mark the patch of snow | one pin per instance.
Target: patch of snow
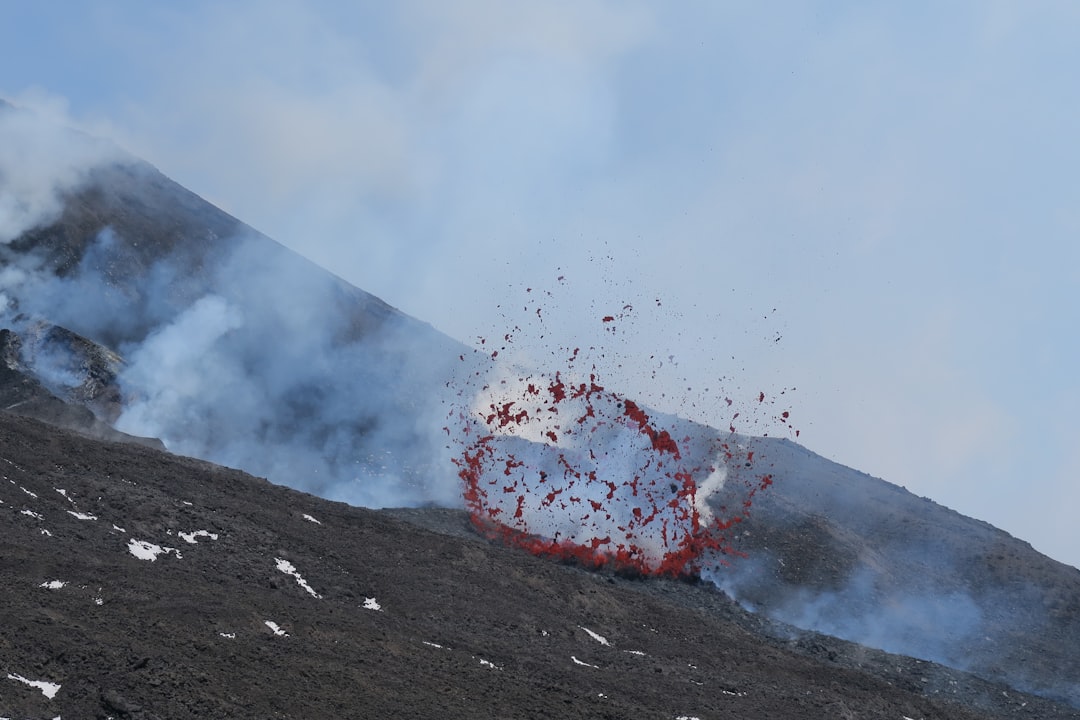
(635, 652)
(149, 551)
(274, 627)
(308, 517)
(488, 663)
(434, 645)
(186, 503)
(32, 514)
(47, 689)
(53, 584)
(598, 638)
(579, 662)
(46, 532)
(99, 601)
(63, 492)
(686, 717)
(232, 636)
(33, 495)
(114, 527)
(371, 604)
(81, 516)
(287, 567)
(190, 537)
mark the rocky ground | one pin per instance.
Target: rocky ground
(262, 602)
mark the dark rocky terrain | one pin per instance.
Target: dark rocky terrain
(464, 629)
(135, 305)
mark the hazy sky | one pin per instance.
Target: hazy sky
(875, 203)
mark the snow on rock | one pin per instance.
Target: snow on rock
(287, 567)
(81, 516)
(434, 645)
(371, 604)
(635, 652)
(191, 537)
(275, 629)
(489, 664)
(47, 689)
(232, 636)
(580, 662)
(149, 551)
(598, 638)
(311, 519)
(33, 495)
(32, 514)
(53, 584)
(63, 492)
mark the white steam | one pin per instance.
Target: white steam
(40, 161)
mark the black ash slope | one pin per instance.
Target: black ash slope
(464, 629)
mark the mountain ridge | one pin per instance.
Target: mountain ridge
(232, 348)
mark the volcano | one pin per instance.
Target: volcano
(150, 341)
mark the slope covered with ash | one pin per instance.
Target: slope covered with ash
(130, 305)
(124, 292)
(837, 551)
(137, 584)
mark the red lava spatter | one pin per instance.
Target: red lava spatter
(569, 470)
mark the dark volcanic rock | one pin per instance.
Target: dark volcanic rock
(464, 628)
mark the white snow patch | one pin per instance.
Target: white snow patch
(687, 717)
(81, 516)
(53, 584)
(32, 514)
(371, 604)
(579, 662)
(114, 527)
(287, 567)
(191, 537)
(186, 503)
(488, 663)
(274, 627)
(635, 652)
(311, 519)
(434, 645)
(63, 492)
(98, 601)
(149, 551)
(598, 638)
(232, 636)
(47, 689)
(46, 533)
(33, 495)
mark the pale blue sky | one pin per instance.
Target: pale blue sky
(891, 188)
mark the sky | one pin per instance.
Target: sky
(873, 208)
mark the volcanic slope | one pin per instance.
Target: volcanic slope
(131, 303)
(137, 584)
(131, 296)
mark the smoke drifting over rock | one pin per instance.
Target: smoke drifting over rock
(228, 347)
(126, 294)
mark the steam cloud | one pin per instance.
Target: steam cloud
(248, 356)
(231, 349)
(39, 163)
